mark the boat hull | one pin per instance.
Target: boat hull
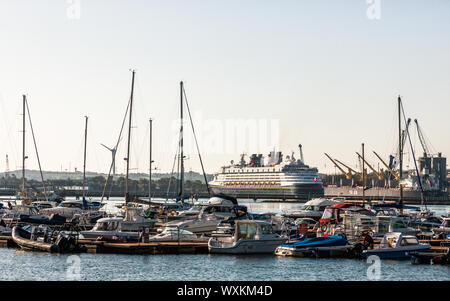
(321, 252)
(245, 246)
(401, 254)
(300, 192)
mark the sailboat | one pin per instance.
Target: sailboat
(181, 195)
(136, 220)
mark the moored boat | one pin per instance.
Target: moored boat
(57, 242)
(396, 246)
(249, 237)
(329, 246)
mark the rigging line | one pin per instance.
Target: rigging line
(414, 158)
(117, 145)
(196, 142)
(171, 174)
(36, 149)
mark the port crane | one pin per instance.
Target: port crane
(380, 175)
(396, 174)
(348, 174)
(426, 150)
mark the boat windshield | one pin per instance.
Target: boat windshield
(71, 205)
(174, 231)
(247, 231)
(408, 241)
(310, 208)
(106, 226)
(266, 229)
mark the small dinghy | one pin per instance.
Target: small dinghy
(329, 246)
(50, 241)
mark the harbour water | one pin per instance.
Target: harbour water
(20, 265)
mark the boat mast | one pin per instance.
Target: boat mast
(181, 146)
(23, 145)
(129, 137)
(150, 166)
(84, 163)
(363, 175)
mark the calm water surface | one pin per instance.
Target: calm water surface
(19, 265)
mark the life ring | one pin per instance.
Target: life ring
(173, 212)
(324, 228)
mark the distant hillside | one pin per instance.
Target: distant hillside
(57, 175)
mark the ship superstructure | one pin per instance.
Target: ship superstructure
(271, 177)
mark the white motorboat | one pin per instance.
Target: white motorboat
(395, 245)
(312, 209)
(175, 234)
(128, 228)
(250, 237)
(68, 209)
(444, 227)
(211, 214)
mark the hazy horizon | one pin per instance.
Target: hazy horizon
(320, 73)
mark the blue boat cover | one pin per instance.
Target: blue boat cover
(328, 241)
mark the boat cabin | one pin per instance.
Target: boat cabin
(396, 239)
(248, 229)
(108, 224)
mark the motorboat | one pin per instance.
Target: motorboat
(4, 229)
(30, 214)
(312, 209)
(69, 208)
(387, 224)
(444, 228)
(309, 223)
(179, 235)
(128, 228)
(325, 246)
(46, 241)
(190, 213)
(249, 237)
(395, 245)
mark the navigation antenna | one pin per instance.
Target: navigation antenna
(301, 153)
(7, 166)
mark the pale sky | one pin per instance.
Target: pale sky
(324, 71)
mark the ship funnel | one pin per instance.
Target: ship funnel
(301, 153)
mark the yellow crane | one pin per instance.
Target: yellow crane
(350, 170)
(393, 172)
(379, 175)
(348, 174)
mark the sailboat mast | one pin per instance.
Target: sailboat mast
(23, 145)
(400, 148)
(84, 163)
(129, 136)
(150, 166)
(181, 146)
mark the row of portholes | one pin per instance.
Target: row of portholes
(251, 183)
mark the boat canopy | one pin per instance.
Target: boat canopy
(219, 197)
(318, 242)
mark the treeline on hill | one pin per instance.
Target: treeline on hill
(96, 185)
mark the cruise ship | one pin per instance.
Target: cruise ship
(272, 178)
